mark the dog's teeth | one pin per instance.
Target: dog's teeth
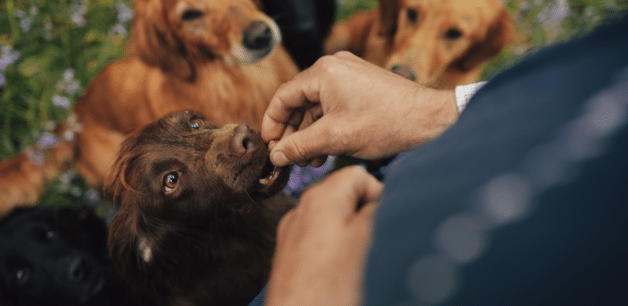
(263, 181)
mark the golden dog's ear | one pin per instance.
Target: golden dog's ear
(500, 33)
(154, 42)
(388, 15)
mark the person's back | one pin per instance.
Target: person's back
(523, 200)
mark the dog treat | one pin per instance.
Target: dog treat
(271, 145)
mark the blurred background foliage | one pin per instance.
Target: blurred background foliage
(51, 49)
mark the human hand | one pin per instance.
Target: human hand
(323, 242)
(345, 105)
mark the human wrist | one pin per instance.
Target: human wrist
(433, 112)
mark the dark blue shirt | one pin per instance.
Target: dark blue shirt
(524, 201)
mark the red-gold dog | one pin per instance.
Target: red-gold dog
(438, 43)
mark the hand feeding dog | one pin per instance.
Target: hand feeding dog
(199, 208)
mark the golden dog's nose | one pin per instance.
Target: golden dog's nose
(257, 36)
(243, 140)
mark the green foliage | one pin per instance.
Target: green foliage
(49, 52)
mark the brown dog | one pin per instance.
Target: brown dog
(199, 207)
(221, 58)
(439, 43)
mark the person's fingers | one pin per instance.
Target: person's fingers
(353, 185)
(318, 161)
(285, 225)
(300, 92)
(302, 145)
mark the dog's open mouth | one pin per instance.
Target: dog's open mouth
(269, 175)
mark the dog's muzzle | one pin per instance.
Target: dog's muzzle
(404, 71)
(258, 40)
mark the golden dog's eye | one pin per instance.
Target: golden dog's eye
(190, 15)
(453, 34)
(412, 15)
(170, 181)
(196, 123)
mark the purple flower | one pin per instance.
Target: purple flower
(124, 12)
(8, 57)
(46, 141)
(118, 29)
(61, 101)
(78, 14)
(3, 80)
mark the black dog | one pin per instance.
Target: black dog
(59, 257)
(304, 25)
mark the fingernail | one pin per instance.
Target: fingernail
(279, 159)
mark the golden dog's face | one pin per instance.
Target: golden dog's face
(171, 33)
(432, 36)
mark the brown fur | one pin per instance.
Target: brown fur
(210, 239)
(390, 38)
(173, 65)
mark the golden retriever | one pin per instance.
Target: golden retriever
(438, 43)
(199, 208)
(221, 58)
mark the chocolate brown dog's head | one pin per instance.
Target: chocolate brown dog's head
(192, 196)
(177, 35)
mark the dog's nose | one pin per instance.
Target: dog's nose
(257, 36)
(404, 71)
(243, 140)
(78, 270)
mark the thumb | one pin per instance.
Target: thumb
(315, 140)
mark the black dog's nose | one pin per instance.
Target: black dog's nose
(257, 36)
(243, 140)
(78, 270)
(404, 71)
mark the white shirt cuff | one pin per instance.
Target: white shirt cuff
(465, 92)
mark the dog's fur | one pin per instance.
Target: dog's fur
(58, 257)
(438, 43)
(221, 58)
(304, 24)
(206, 237)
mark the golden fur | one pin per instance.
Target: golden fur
(183, 54)
(438, 43)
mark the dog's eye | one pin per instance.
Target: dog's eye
(412, 15)
(190, 15)
(51, 234)
(170, 181)
(196, 123)
(43, 234)
(453, 34)
(21, 276)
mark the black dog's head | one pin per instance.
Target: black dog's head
(197, 205)
(57, 258)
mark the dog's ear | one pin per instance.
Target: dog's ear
(129, 249)
(155, 43)
(153, 255)
(499, 34)
(388, 15)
